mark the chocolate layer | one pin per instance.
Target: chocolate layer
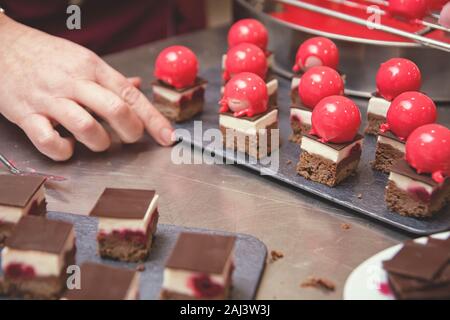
(403, 168)
(198, 82)
(201, 253)
(103, 282)
(39, 234)
(123, 203)
(374, 123)
(385, 157)
(335, 146)
(17, 191)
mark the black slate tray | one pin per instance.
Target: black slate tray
(367, 182)
(250, 256)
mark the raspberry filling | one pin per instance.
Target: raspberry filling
(296, 118)
(20, 271)
(203, 286)
(420, 194)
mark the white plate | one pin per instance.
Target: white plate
(369, 280)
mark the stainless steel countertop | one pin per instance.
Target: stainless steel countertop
(224, 197)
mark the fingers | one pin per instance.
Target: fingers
(111, 108)
(80, 123)
(46, 139)
(135, 81)
(155, 123)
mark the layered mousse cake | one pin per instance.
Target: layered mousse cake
(19, 196)
(246, 57)
(36, 257)
(317, 83)
(101, 282)
(394, 77)
(200, 267)
(247, 122)
(128, 220)
(332, 150)
(178, 93)
(420, 271)
(420, 185)
(314, 52)
(408, 111)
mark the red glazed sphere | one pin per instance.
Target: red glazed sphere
(444, 18)
(336, 119)
(396, 76)
(318, 51)
(250, 31)
(409, 111)
(245, 95)
(177, 66)
(318, 83)
(428, 151)
(245, 57)
(408, 9)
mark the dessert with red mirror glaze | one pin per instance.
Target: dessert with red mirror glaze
(407, 112)
(408, 9)
(331, 151)
(200, 268)
(36, 257)
(128, 220)
(247, 122)
(178, 92)
(419, 185)
(394, 77)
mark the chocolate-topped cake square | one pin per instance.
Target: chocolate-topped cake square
(19, 196)
(388, 151)
(412, 194)
(127, 223)
(376, 113)
(300, 122)
(36, 257)
(102, 282)
(200, 267)
(179, 104)
(328, 163)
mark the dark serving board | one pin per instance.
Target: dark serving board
(367, 182)
(250, 256)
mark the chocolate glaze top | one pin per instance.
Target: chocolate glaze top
(39, 234)
(198, 82)
(388, 134)
(102, 282)
(403, 168)
(335, 146)
(123, 203)
(17, 191)
(201, 252)
(256, 117)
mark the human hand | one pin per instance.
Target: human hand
(47, 81)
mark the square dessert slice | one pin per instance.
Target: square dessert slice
(251, 135)
(328, 163)
(101, 282)
(19, 196)
(179, 104)
(127, 223)
(200, 267)
(389, 149)
(376, 113)
(417, 195)
(300, 122)
(36, 257)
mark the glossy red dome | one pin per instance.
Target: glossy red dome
(245, 57)
(250, 31)
(317, 51)
(408, 9)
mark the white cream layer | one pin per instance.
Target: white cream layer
(178, 280)
(315, 147)
(11, 214)
(108, 225)
(44, 264)
(173, 95)
(246, 126)
(303, 115)
(406, 183)
(295, 82)
(378, 106)
(397, 145)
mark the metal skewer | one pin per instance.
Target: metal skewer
(367, 23)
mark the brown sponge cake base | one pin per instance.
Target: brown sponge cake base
(179, 112)
(116, 248)
(295, 99)
(374, 123)
(404, 204)
(316, 168)
(298, 129)
(385, 157)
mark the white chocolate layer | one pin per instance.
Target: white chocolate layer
(397, 145)
(378, 106)
(11, 214)
(108, 225)
(246, 126)
(315, 147)
(406, 183)
(295, 82)
(172, 95)
(303, 115)
(44, 264)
